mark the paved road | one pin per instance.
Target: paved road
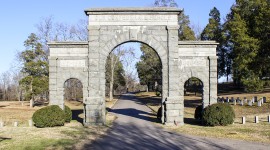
(134, 130)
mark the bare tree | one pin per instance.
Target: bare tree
(80, 31)
(128, 61)
(114, 67)
(165, 3)
(197, 30)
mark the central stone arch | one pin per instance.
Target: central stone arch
(156, 27)
(149, 40)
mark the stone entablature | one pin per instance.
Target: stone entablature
(133, 16)
(109, 28)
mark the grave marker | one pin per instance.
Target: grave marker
(243, 120)
(256, 119)
(249, 102)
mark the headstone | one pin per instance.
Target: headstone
(255, 99)
(249, 102)
(31, 103)
(234, 101)
(237, 99)
(15, 124)
(227, 100)
(259, 103)
(242, 102)
(256, 119)
(264, 99)
(1, 124)
(243, 120)
(30, 122)
(261, 100)
(245, 100)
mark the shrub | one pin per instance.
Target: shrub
(68, 114)
(159, 113)
(49, 116)
(219, 114)
(198, 112)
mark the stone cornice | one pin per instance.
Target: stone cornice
(128, 10)
(83, 44)
(197, 43)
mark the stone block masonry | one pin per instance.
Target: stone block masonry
(111, 27)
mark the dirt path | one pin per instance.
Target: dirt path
(134, 129)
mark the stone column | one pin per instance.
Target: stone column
(174, 102)
(212, 79)
(54, 91)
(94, 107)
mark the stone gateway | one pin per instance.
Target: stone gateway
(110, 27)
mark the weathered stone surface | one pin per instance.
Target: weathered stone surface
(156, 27)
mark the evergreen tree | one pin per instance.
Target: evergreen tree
(185, 32)
(149, 68)
(114, 71)
(36, 70)
(248, 27)
(214, 31)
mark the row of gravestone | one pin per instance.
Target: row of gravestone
(16, 123)
(256, 119)
(241, 102)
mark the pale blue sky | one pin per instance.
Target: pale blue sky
(19, 17)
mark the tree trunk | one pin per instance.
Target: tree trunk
(112, 78)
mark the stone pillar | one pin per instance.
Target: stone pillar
(95, 102)
(55, 97)
(174, 102)
(212, 80)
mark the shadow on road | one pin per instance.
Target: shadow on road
(136, 114)
(131, 136)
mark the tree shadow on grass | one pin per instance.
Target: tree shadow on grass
(193, 121)
(3, 139)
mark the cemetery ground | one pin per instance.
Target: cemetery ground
(250, 131)
(71, 136)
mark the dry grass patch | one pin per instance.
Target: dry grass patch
(68, 137)
(71, 136)
(150, 100)
(11, 111)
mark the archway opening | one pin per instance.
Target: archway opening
(135, 69)
(73, 98)
(193, 97)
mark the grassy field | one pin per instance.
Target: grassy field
(250, 131)
(71, 136)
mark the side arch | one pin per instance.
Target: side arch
(83, 78)
(205, 82)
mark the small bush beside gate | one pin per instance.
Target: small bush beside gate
(51, 116)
